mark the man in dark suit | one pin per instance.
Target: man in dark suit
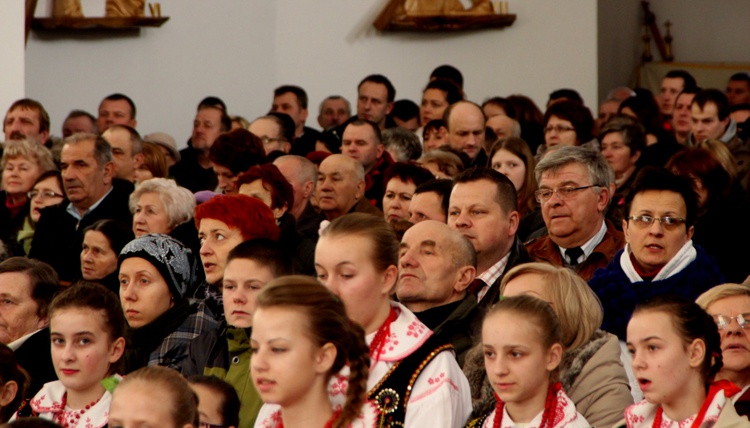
(29, 286)
(483, 208)
(87, 170)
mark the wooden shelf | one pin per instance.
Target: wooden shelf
(83, 24)
(448, 22)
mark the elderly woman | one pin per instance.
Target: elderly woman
(161, 206)
(729, 305)
(156, 272)
(622, 144)
(265, 182)
(659, 257)
(590, 372)
(22, 163)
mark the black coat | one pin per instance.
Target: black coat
(58, 237)
(35, 357)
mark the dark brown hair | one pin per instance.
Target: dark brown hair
(328, 323)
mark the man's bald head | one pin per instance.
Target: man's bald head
(437, 264)
(466, 127)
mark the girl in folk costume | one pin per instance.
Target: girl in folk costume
(87, 329)
(412, 381)
(522, 351)
(301, 339)
(676, 352)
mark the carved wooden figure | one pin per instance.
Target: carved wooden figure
(67, 9)
(125, 8)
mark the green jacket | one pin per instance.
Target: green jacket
(225, 353)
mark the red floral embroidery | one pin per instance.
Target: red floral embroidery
(415, 329)
(338, 385)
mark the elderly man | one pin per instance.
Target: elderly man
(87, 169)
(26, 119)
(483, 209)
(116, 109)
(436, 266)
(194, 171)
(303, 176)
(341, 188)
(430, 201)
(729, 305)
(26, 288)
(334, 110)
(466, 128)
(292, 100)
(127, 148)
(363, 142)
(659, 257)
(574, 191)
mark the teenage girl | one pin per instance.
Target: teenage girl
(522, 363)
(301, 339)
(87, 329)
(676, 352)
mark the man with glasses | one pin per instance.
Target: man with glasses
(729, 305)
(659, 257)
(574, 191)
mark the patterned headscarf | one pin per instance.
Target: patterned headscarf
(174, 261)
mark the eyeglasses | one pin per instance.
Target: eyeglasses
(564, 193)
(668, 223)
(723, 321)
(45, 194)
(558, 128)
(269, 140)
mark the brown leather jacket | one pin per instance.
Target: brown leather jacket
(543, 249)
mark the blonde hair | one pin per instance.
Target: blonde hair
(577, 307)
(31, 151)
(722, 154)
(722, 292)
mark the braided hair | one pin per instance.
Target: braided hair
(328, 323)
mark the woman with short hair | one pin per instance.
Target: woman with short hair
(22, 163)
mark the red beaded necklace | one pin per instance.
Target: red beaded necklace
(549, 408)
(73, 415)
(378, 342)
(328, 424)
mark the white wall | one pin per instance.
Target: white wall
(12, 13)
(241, 49)
(703, 31)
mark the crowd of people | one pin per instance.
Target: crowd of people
(443, 264)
